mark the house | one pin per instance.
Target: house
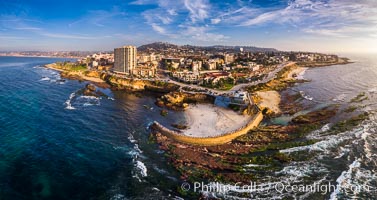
(240, 97)
(196, 66)
(187, 76)
(216, 76)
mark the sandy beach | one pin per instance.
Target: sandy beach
(206, 120)
(271, 100)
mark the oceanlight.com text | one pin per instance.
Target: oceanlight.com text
(279, 187)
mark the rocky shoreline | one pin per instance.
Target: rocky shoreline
(341, 61)
(259, 147)
(228, 163)
(179, 101)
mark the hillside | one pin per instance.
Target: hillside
(161, 46)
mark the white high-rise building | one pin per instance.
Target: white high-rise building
(125, 59)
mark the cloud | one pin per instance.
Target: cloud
(158, 28)
(263, 18)
(215, 21)
(7, 37)
(325, 32)
(200, 33)
(172, 12)
(68, 36)
(183, 19)
(142, 2)
(321, 17)
(99, 18)
(198, 9)
(28, 28)
(10, 22)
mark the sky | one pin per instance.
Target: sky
(306, 25)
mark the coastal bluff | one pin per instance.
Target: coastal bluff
(208, 141)
(138, 85)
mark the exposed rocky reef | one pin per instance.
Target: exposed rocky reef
(91, 90)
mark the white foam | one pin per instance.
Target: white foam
(372, 90)
(134, 153)
(131, 138)
(89, 104)
(89, 100)
(118, 197)
(297, 170)
(45, 79)
(136, 147)
(68, 102)
(161, 171)
(254, 165)
(325, 128)
(327, 142)
(342, 152)
(300, 76)
(343, 180)
(89, 97)
(319, 146)
(340, 97)
(305, 96)
(367, 147)
(142, 169)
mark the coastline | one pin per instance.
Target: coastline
(30, 56)
(342, 61)
(226, 161)
(201, 163)
(79, 75)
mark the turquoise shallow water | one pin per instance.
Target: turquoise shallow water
(91, 152)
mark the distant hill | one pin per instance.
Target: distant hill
(157, 46)
(160, 46)
(246, 48)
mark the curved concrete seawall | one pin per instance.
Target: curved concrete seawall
(209, 141)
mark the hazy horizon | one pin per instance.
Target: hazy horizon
(328, 26)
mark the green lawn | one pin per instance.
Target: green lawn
(71, 66)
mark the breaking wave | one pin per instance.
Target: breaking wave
(68, 103)
(305, 96)
(140, 170)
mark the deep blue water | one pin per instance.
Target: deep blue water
(99, 150)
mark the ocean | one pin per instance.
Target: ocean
(58, 144)
(345, 163)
